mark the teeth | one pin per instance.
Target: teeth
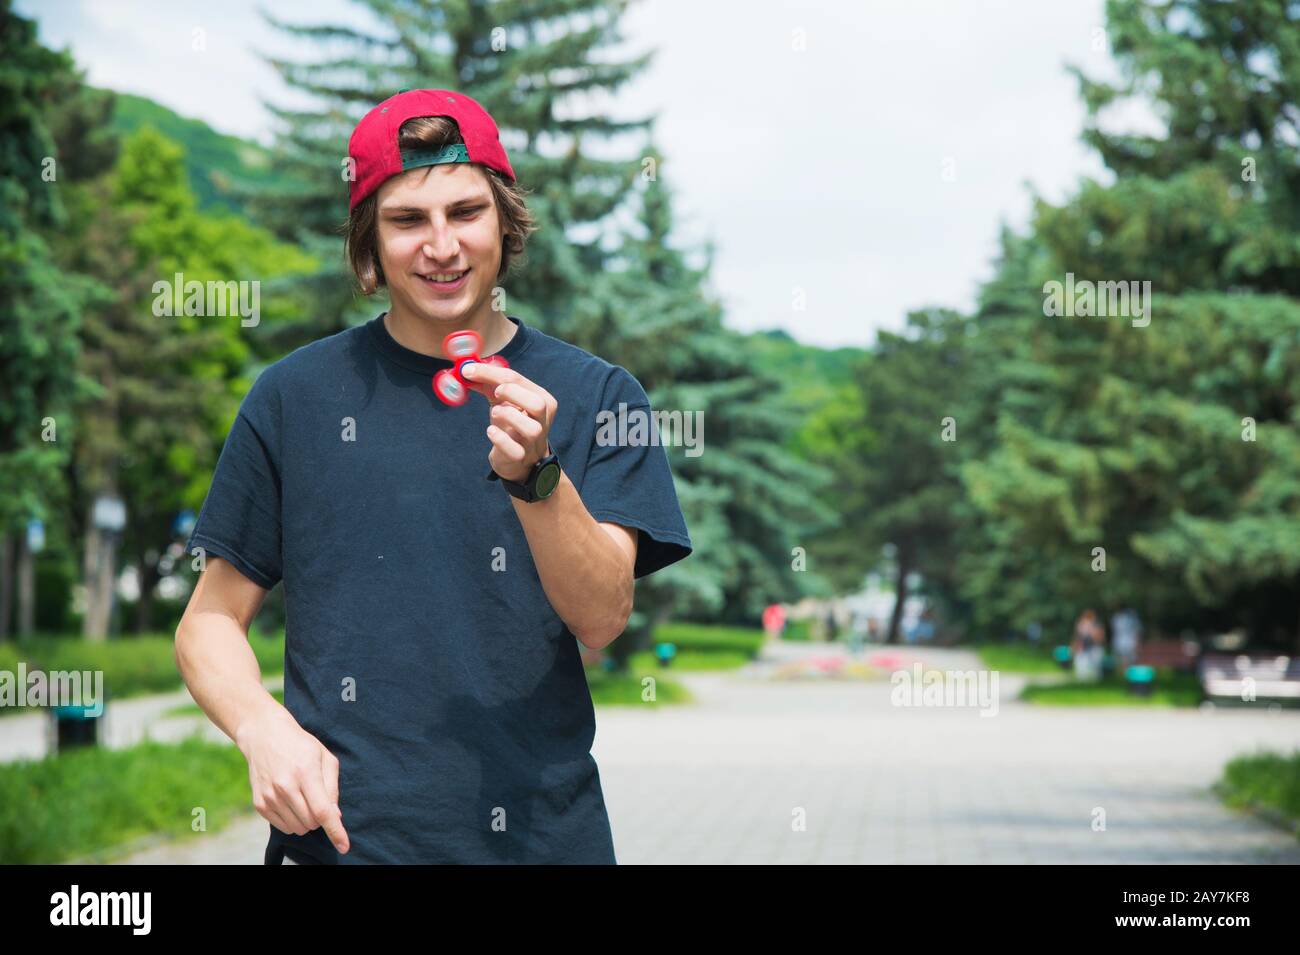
(450, 277)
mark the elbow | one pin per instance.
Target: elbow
(597, 635)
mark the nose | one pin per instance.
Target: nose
(443, 246)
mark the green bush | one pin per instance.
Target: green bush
(1267, 780)
(92, 799)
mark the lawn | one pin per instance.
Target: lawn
(89, 800)
(1025, 658)
(1171, 689)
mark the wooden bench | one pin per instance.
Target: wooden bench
(1179, 655)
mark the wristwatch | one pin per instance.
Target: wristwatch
(540, 484)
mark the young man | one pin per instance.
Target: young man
(435, 572)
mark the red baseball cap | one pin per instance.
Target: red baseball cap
(373, 145)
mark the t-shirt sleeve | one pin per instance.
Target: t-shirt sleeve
(240, 517)
(628, 481)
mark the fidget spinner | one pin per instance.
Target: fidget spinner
(449, 384)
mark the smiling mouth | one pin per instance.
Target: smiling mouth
(433, 280)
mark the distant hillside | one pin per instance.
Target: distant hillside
(215, 161)
(812, 374)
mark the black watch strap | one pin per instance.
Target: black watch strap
(527, 490)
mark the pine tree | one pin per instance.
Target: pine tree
(1175, 446)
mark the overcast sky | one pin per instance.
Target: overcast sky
(868, 170)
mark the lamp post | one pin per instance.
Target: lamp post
(107, 519)
(33, 544)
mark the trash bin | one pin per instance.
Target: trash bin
(1140, 679)
(76, 726)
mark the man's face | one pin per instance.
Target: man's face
(436, 221)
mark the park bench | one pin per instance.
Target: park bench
(1155, 655)
(1248, 677)
(1169, 654)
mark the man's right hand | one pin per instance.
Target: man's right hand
(295, 779)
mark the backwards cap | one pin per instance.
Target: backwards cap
(373, 146)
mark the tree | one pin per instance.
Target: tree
(165, 384)
(891, 440)
(39, 306)
(1160, 447)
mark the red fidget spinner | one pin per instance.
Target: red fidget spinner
(462, 348)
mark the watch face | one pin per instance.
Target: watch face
(547, 479)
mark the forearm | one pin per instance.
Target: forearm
(582, 569)
(221, 671)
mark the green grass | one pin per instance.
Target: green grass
(1270, 781)
(1171, 689)
(87, 801)
(710, 638)
(609, 689)
(798, 630)
(1017, 657)
(132, 666)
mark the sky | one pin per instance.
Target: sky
(850, 161)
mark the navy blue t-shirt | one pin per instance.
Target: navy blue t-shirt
(421, 649)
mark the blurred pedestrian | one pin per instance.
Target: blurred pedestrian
(1126, 636)
(857, 632)
(774, 621)
(1088, 646)
(832, 625)
(925, 627)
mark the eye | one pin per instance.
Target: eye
(472, 211)
(406, 220)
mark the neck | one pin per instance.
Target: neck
(422, 334)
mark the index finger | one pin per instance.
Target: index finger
(485, 378)
(324, 809)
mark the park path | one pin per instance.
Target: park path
(727, 779)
